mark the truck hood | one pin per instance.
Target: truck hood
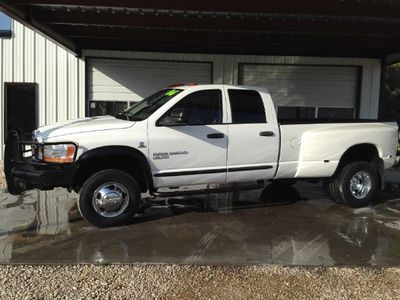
(81, 126)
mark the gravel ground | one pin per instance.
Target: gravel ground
(196, 282)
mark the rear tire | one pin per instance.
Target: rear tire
(331, 190)
(355, 185)
(109, 198)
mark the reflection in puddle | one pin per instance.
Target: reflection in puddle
(34, 213)
(291, 225)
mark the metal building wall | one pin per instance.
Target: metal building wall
(226, 69)
(30, 57)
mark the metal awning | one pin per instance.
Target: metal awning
(359, 28)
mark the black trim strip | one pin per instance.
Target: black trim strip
(211, 171)
(239, 169)
(182, 173)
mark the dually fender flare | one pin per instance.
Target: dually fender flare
(119, 151)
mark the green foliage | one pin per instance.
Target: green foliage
(390, 103)
(392, 85)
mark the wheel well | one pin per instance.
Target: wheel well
(362, 152)
(122, 159)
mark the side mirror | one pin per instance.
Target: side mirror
(176, 118)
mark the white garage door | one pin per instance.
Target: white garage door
(114, 84)
(307, 91)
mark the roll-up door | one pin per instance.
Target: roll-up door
(306, 92)
(114, 84)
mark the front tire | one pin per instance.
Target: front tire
(356, 184)
(109, 198)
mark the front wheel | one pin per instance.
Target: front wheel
(356, 184)
(109, 198)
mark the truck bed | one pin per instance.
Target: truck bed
(314, 148)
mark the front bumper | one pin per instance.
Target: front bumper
(22, 173)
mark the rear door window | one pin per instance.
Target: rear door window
(247, 107)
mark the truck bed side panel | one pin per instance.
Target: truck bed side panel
(314, 150)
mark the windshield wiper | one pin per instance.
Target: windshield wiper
(125, 116)
(135, 118)
(122, 116)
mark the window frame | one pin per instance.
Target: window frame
(157, 123)
(230, 110)
(297, 111)
(317, 110)
(320, 108)
(129, 104)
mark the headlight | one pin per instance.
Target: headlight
(56, 153)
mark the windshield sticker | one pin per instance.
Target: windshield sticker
(171, 93)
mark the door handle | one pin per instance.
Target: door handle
(267, 133)
(215, 135)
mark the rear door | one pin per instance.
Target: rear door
(253, 137)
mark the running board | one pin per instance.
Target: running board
(210, 191)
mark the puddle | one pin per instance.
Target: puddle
(290, 226)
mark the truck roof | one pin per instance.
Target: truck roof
(208, 86)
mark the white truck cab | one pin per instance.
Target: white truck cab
(191, 135)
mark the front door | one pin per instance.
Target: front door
(253, 140)
(193, 152)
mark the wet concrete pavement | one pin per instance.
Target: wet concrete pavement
(291, 226)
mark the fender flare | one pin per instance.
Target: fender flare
(375, 158)
(119, 151)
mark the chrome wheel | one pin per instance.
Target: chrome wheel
(360, 184)
(110, 199)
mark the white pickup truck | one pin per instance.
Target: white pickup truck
(215, 135)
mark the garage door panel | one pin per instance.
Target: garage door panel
(132, 80)
(310, 86)
(347, 91)
(314, 102)
(150, 71)
(303, 68)
(301, 76)
(305, 85)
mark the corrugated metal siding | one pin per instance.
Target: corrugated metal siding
(30, 57)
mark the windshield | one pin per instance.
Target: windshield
(145, 108)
